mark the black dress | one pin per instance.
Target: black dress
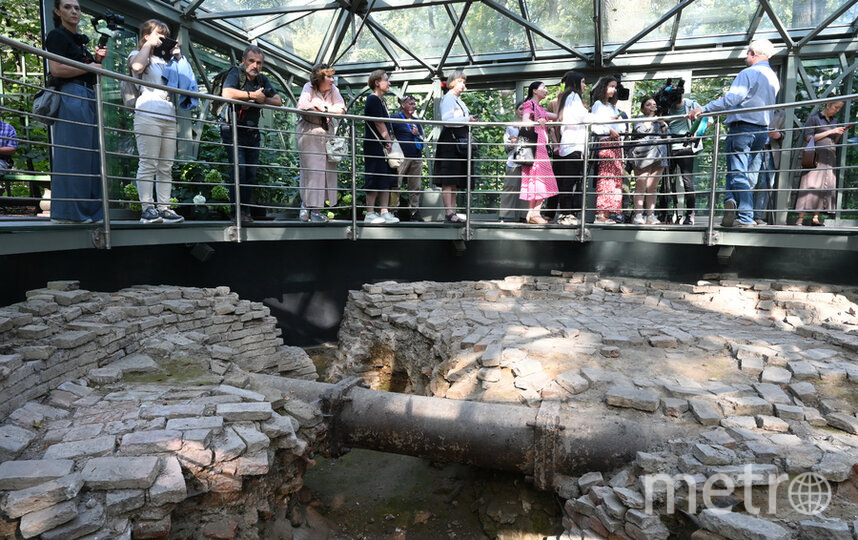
(378, 174)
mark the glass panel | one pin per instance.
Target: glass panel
(304, 36)
(707, 17)
(238, 5)
(489, 31)
(424, 30)
(808, 13)
(570, 22)
(367, 48)
(623, 20)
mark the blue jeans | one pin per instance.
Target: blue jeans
(745, 144)
(766, 182)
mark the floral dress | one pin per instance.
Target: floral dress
(537, 180)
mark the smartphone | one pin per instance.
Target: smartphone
(165, 49)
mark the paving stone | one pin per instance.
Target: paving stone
(572, 382)
(169, 486)
(629, 397)
(151, 528)
(704, 412)
(719, 436)
(227, 446)
(802, 371)
(814, 417)
(76, 389)
(804, 391)
(789, 412)
(491, 357)
(23, 501)
(775, 375)
(252, 464)
(750, 474)
(772, 393)
(13, 440)
(526, 366)
(107, 473)
(599, 377)
(762, 450)
(771, 423)
(105, 375)
(630, 497)
(835, 466)
(248, 395)
(846, 422)
(674, 407)
(98, 446)
(87, 521)
(744, 406)
(141, 443)
(169, 412)
(72, 339)
(120, 501)
(743, 422)
(135, 363)
(214, 423)
(252, 437)
(278, 426)
(824, 530)
(237, 412)
(40, 521)
(27, 473)
(586, 481)
(741, 526)
(713, 454)
(85, 432)
(752, 366)
(662, 342)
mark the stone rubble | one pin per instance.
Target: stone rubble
(113, 416)
(760, 373)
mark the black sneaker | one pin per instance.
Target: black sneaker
(729, 213)
(169, 216)
(416, 216)
(150, 215)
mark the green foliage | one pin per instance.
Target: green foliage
(131, 194)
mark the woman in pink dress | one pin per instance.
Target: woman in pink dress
(609, 184)
(537, 180)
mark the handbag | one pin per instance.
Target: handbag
(394, 156)
(524, 153)
(129, 91)
(46, 105)
(335, 145)
(809, 159)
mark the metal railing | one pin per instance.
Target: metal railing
(205, 168)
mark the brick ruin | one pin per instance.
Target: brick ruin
(126, 415)
(760, 374)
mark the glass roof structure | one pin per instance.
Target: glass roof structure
(421, 39)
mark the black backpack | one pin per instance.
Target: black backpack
(217, 108)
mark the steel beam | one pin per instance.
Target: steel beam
(386, 33)
(466, 43)
(385, 44)
(456, 31)
(266, 11)
(640, 35)
(522, 5)
(755, 23)
(536, 30)
(779, 26)
(333, 47)
(824, 24)
(597, 34)
(276, 23)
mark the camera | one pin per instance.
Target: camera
(112, 21)
(269, 92)
(669, 96)
(623, 93)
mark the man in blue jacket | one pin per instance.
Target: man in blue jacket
(747, 132)
(410, 137)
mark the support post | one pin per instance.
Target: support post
(102, 159)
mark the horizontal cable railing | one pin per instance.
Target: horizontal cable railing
(467, 183)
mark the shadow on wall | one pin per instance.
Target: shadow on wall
(306, 283)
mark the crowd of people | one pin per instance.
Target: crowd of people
(545, 186)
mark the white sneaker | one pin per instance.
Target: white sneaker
(387, 217)
(652, 220)
(373, 218)
(304, 215)
(639, 220)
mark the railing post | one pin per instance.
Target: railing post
(714, 181)
(236, 180)
(586, 167)
(353, 140)
(467, 189)
(102, 158)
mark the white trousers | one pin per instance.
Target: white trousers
(156, 146)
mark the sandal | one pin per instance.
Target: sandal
(816, 223)
(537, 219)
(452, 217)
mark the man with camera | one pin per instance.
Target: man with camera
(681, 151)
(245, 83)
(747, 132)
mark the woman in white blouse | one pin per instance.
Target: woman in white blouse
(569, 164)
(451, 164)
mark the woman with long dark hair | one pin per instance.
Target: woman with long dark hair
(569, 164)
(76, 165)
(816, 191)
(537, 180)
(649, 159)
(609, 184)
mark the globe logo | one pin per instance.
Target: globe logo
(809, 493)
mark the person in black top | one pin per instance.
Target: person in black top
(246, 83)
(75, 183)
(379, 177)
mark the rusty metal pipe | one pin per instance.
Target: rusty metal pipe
(536, 442)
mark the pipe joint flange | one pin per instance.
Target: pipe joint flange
(546, 434)
(331, 403)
